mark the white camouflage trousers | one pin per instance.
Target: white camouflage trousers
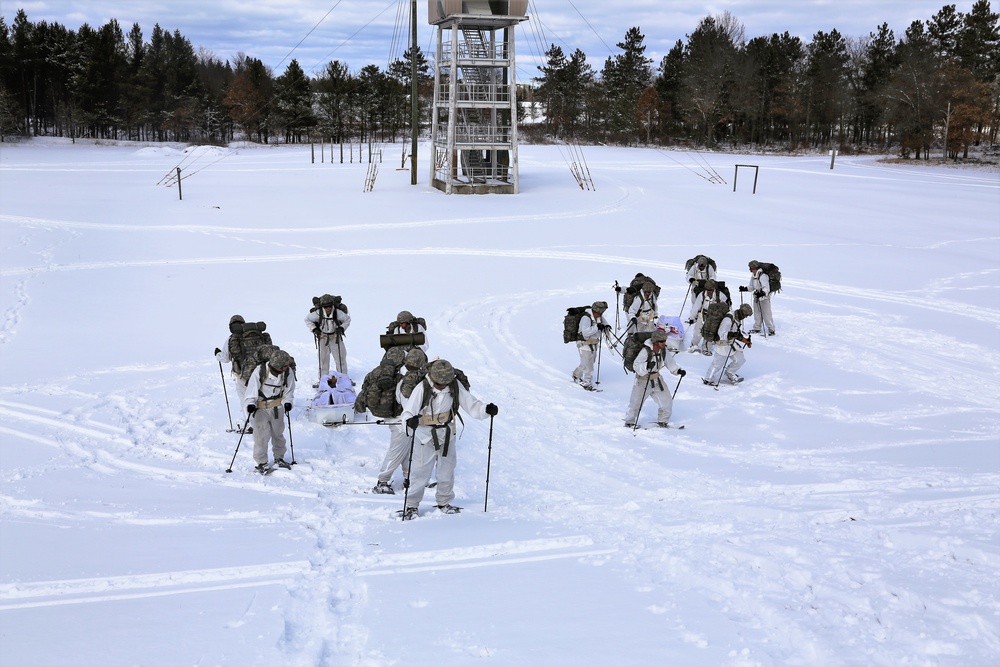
(425, 457)
(656, 389)
(585, 371)
(762, 311)
(268, 428)
(397, 455)
(720, 352)
(332, 345)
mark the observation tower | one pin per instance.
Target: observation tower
(474, 121)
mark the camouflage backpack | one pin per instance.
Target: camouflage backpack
(720, 286)
(378, 391)
(252, 337)
(694, 260)
(571, 323)
(633, 343)
(635, 288)
(714, 315)
(773, 276)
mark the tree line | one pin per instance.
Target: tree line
(105, 84)
(937, 83)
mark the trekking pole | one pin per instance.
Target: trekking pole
(319, 359)
(242, 433)
(291, 443)
(684, 302)
(225, 393)
(618, 294)
(608, 336)
(406, 477)
(724, 364)
(598, 379)
(641, 401)
(672, 396)
(489, 456)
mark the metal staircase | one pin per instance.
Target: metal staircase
(474, 127)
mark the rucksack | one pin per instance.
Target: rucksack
(252, 337)
(416, 320)
(633, 343)
(694, 260)
(413, 378)
(571, 323)
(773, 276)
(635, 287)
(714, 314)
(720, 285)
(338, 304)
(262, 374)
(378, 392)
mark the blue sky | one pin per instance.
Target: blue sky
(361, 32)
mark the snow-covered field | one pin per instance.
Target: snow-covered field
(840, 507)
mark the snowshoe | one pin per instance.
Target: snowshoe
(262, 468)
(282, 463)
(449, 509)
(383, 487)
(408, 513)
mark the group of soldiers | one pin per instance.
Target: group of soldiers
(723, 338)
(422, 439)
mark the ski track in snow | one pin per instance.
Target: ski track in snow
(665, 516)
(694, 549)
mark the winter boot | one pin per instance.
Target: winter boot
(383, 487)
(282, 463)
(449, 509)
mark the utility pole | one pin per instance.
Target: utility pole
(414, 107)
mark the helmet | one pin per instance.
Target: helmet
(744, 311)
(753, 264)
(709, 284)
(658, 336)
(599, 305)
(280, 359)
(264, 352)
(404, 317)
(415, 359)
(441, 372)
(326, 300)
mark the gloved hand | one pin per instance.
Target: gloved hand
(340, 331)
(251, 409)
(492, 409)
(748, 342)
(601, 326)
(682, 372)
(690, 321)
(217, 350)
(316, 332)
(744, 288)
(288, 407)
(413, 422)
(759, 293)
(691, 280)
(632, 322)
